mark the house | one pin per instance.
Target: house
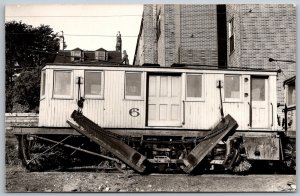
(77, 55)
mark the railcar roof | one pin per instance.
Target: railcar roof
(174, 66)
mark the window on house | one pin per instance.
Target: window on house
(291, 95)
(93, 84)
(62, 84)
(133, 85)
(231, 35)
(43, 85)
(232, 87)
(194, 86)
(76, 55)
(101, 55)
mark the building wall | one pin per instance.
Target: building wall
(149, 34)
(161, 53)
(262, 32)
(198, 44)
(188, 34)
(146, 51)
(139, 56)
(234, 57)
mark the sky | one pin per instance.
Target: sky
(87, 26)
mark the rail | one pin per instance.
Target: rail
(250, 115)
(272, 114)
(183, 114)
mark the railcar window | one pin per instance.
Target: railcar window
(133, 84)
(43, 79)
(232, 87)
(93, 84)
(258, 89)
(291, 94)
(62, 84)
(194, 85)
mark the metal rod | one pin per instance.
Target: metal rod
(183, 106)
(221, 101)
(250, 115)
(79, 149)
(48, 149)
(285, 116)
(287, 61)
(272, 114)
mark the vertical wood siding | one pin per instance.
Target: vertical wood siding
(113, 110)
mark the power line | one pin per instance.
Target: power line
(94, 35)
(143, 15)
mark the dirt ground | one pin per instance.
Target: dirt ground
(19, 180)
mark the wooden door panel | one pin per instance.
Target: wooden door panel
(152, 87)
(163, 111)
(152, 111)
(175, 112)
(163, 89)
(164, 101)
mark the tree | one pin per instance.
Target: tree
(27, 50)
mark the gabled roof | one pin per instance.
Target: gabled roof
(77, 49)
(101, 49)
(64, 56)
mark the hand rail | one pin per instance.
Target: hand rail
(250, 115)
(272, 115)
(183, 108)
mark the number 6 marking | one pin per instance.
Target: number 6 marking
(134, 112)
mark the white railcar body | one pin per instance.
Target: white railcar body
(159, 97)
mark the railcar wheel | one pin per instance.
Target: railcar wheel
(36, 156)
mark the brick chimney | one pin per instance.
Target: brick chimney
(119, 42)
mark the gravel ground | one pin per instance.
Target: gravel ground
(19, 180)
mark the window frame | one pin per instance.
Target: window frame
(287, 94)
(43, 84)
(202, 88)
(130, 97)
(76, 55)
(97, 55)
(89, 96)
(71, 86)
(231, 35)
(228, 100)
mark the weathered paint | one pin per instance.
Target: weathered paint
(113, 110)
(262, 147)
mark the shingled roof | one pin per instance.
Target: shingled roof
(65, 56)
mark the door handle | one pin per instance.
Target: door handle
(272, 114)
(250, 115)
(183, 110)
